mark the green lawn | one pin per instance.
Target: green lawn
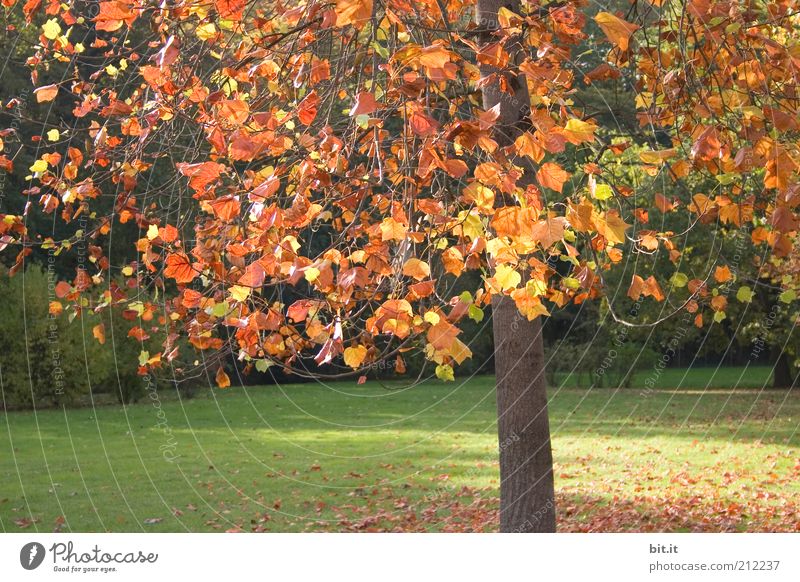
(347, 457)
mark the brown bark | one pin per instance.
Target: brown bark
(527, 499)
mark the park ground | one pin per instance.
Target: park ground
(706, 450)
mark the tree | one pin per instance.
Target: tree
(527, 493)
(306, 184)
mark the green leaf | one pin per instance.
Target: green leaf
(475, 313)
(679, 280)
(263, 365)
(445, 373)
(788, 296)
(220, 309)
(744, 294)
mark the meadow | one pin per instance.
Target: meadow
(704, 451)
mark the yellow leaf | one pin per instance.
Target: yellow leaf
(445, 373)
(432, 317)
(392, 230)
(39, 166)
(481, 196)
(51, 29)
(506, 277)
(239, 293)
(206, 31)
(354, 356)
(53, 135)
(152, 232)
(656, 157)
(618, 31)
(577, 131)
(311, 274)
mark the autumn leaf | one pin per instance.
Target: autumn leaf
(99, 332)
(722, 274)
(112, 15)
(506, 277)
(354, 356)
(416, 269)
(578, 131)
(226, 208)
(552, 176)
(179, 267)
(617, 31)
(222, 379)
(355, 12)
(364, 104)
(230, 9)
(648, 287)
(548, 231)
(307, 109)
(201, 175)
(46, 93)
(612, 227)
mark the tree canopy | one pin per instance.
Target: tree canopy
(312, 180)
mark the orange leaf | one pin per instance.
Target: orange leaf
(99, 332)
(226, 208)
(46, 93)
(618, 31)
(179, 268)
(365, 103)
(201, 175)
(307, 109)
(353, 12)
(722, 274)
(230, 9)
(113, 14)
(222, 378)
(552, 176)
(417, 269)
(423, 125)
(648, 287)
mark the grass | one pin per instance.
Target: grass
(348, 457)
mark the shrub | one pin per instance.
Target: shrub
(42, 357)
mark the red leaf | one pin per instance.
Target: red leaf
(307, 109)
(179, 268)
(364, 103)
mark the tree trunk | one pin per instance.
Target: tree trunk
(527, 498)
(783, 374)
